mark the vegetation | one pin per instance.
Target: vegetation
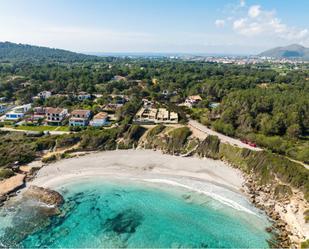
(13, 51)
(5, 173)
(266, 165)
(155, 131)
(259, 103)
(209, 147)
(305, 244)
(283, 191)
(16, 148)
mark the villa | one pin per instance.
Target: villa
(17, 112)
(43, 95)
(80, 118)
(192, 100)
(155, 116)
(55, 116)
(3, 108)
(99, 119)
(83, 96)
(39, 113)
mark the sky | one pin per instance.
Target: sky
(166, 26)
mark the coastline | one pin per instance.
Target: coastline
(154, 167)
(203, 176)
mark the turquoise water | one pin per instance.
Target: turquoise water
(118, 214)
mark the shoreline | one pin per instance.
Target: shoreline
(208, 171)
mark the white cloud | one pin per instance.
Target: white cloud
(239, 24)
(220, 23)
(258, 22)
(254, 11)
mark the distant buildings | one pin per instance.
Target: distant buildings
(192, 101)
(44, 95)
(80, 118)
(119, 78)
(39, 113)
(3, 108)
(17, 112)
(83, 96)
(155, 116)
(55, 116)
(99, 120)
(147, 103)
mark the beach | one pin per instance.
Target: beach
(146, 166)
(205, 176)
(147, 189)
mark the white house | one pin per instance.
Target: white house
(192, 100)
(83, 95)
(44, 94)
(99, 120)
(3, 108)
(17, 112)
(80, 118)
(55, 116)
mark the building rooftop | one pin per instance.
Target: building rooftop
(173, 115)
(53, 110)
(195, 97)
(100, 115)
(80, 112)
(162, 113)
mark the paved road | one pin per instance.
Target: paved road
(225, 139)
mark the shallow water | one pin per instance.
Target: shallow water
(125, 214)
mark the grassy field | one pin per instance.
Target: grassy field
(42, 128)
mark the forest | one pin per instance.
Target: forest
(267, 106)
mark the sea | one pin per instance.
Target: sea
(128, 214)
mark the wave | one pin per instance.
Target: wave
(221, 199)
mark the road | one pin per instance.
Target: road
(223, 138)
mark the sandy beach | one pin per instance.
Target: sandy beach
(204, 176)
(139, 163)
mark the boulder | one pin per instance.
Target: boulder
(45, 195)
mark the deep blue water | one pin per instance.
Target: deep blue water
(118, 214)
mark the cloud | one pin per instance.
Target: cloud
(220, 23)
(254, 21)
(254, 11)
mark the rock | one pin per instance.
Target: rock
(47, 196)
(12, 184)
(269, 229)
(2, 198)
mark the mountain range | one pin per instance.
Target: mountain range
(23, 52)
(294, 51)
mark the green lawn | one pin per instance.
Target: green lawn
(42, 128)
(62, 128)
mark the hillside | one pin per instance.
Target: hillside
(21, 52)
(292, 51)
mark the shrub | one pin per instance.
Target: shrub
(155, 131)
(209, 147)
(49, 159)
(283, 191)
(5, 173)
(177, 138)
(225, 128)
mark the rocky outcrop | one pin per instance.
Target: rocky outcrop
(47, 196)
(11, 185)
(274, 199)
